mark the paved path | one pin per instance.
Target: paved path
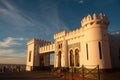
(28, 76)
(49, 76)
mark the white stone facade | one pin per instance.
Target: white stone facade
(88, 45)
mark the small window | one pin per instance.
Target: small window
(100, 50)
(30, 56)
(87, 51)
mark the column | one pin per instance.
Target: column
(65, 54)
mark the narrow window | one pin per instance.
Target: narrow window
(100, 50)
(30, 56)
(87, 51)
(119, 53)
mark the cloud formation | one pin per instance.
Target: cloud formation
(12, 15)
(10, 42)
(46, 23)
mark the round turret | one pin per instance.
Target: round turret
(96, 40)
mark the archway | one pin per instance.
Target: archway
(71, 58)
(59, 59)
(76, 57)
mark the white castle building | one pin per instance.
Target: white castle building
(88, 45)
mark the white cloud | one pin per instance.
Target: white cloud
(12, 15)
(7, 5)
(10, 42)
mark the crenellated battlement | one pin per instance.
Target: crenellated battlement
(76, 31)
(101, 19)
(39, 42)
(45, 42)
(60, 34)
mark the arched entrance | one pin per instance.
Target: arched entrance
(71, 58)
(59, 59)
(76, 57)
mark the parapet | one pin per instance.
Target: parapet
(39, 42)
(60, 34)
(101, 18)
(74, 32)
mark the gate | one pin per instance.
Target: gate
(79, 73)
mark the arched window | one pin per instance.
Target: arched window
(59, 59)
(76, 57)
(71, 58)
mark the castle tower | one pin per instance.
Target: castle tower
(96, 44)
(32, 54)
(36, 60)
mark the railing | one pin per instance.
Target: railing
(12, 67)
(93, 73)
(78, 73)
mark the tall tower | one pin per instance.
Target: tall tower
(96, 44)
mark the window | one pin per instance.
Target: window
(100, 50)
(87, 51)
(30, 56)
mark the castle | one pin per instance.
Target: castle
(88, 45)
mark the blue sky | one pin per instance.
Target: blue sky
(21, 20)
